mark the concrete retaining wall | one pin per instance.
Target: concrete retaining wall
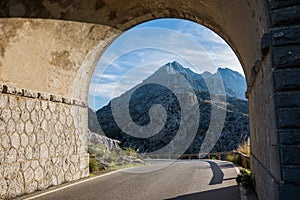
(44, 141)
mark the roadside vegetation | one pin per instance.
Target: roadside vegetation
(243, 150)
(244, 178)
(244, 147)
(103, 161)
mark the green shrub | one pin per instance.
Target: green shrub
(129, 151)
(98, 150)
(230, 158)
(101, 150)
(247, 164)
(93, 165)
(113, 157)
(237, 160)
(245, 179)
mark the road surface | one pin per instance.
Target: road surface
(180, 180)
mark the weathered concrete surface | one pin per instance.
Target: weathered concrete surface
(240, 23)
(264, 149)
(58, 57)
(47, 55)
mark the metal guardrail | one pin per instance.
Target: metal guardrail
(245, 159)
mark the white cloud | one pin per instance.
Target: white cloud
(109, 77)
(139, 52)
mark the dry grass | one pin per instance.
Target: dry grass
(244, 147)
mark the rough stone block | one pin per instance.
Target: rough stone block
(84, 104)
(12, 90)
(289, 137)
(286, 17)
(276, 4)
(30, 94)
(78, 102)
(67, 101)
(290, 155)
(44, 96)
(290, 99)
(288, 118)
(289, 192)
(285, 57)
(286, 36)
(287, 80)
(55, 98)
(291, 175)
(26, 123)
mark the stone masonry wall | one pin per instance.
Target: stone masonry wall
(275, 159)
(43, 141)
(285, 50)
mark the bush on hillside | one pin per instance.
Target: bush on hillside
(245, 179)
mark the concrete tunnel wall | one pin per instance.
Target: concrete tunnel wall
(49, 50)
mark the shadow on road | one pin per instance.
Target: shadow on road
(227, 193)
(218, 175)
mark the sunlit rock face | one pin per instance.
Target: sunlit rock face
(108, 152)
(169, 116)
(93, 123)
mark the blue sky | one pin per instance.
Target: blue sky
(139, 52)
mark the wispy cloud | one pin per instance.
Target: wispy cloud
(140, 51)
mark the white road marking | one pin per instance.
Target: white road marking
(242, 190)
(72, 184)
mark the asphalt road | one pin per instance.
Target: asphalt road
(204, 179)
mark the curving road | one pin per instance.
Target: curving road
(165, 179)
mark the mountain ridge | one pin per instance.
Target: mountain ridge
(147, 94)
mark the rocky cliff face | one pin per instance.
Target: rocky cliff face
(108, 152)
(93, 123)
(169, 94)
(234, 82)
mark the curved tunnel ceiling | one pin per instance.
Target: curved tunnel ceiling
(239, 22)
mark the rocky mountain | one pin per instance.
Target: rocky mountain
(93, 123)
(234, 82)
(171, 87)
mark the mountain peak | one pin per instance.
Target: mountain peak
(174, 65)
(171, 68)
(227, 70)
(177, 64)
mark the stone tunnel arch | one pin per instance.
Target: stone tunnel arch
(49, 50)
